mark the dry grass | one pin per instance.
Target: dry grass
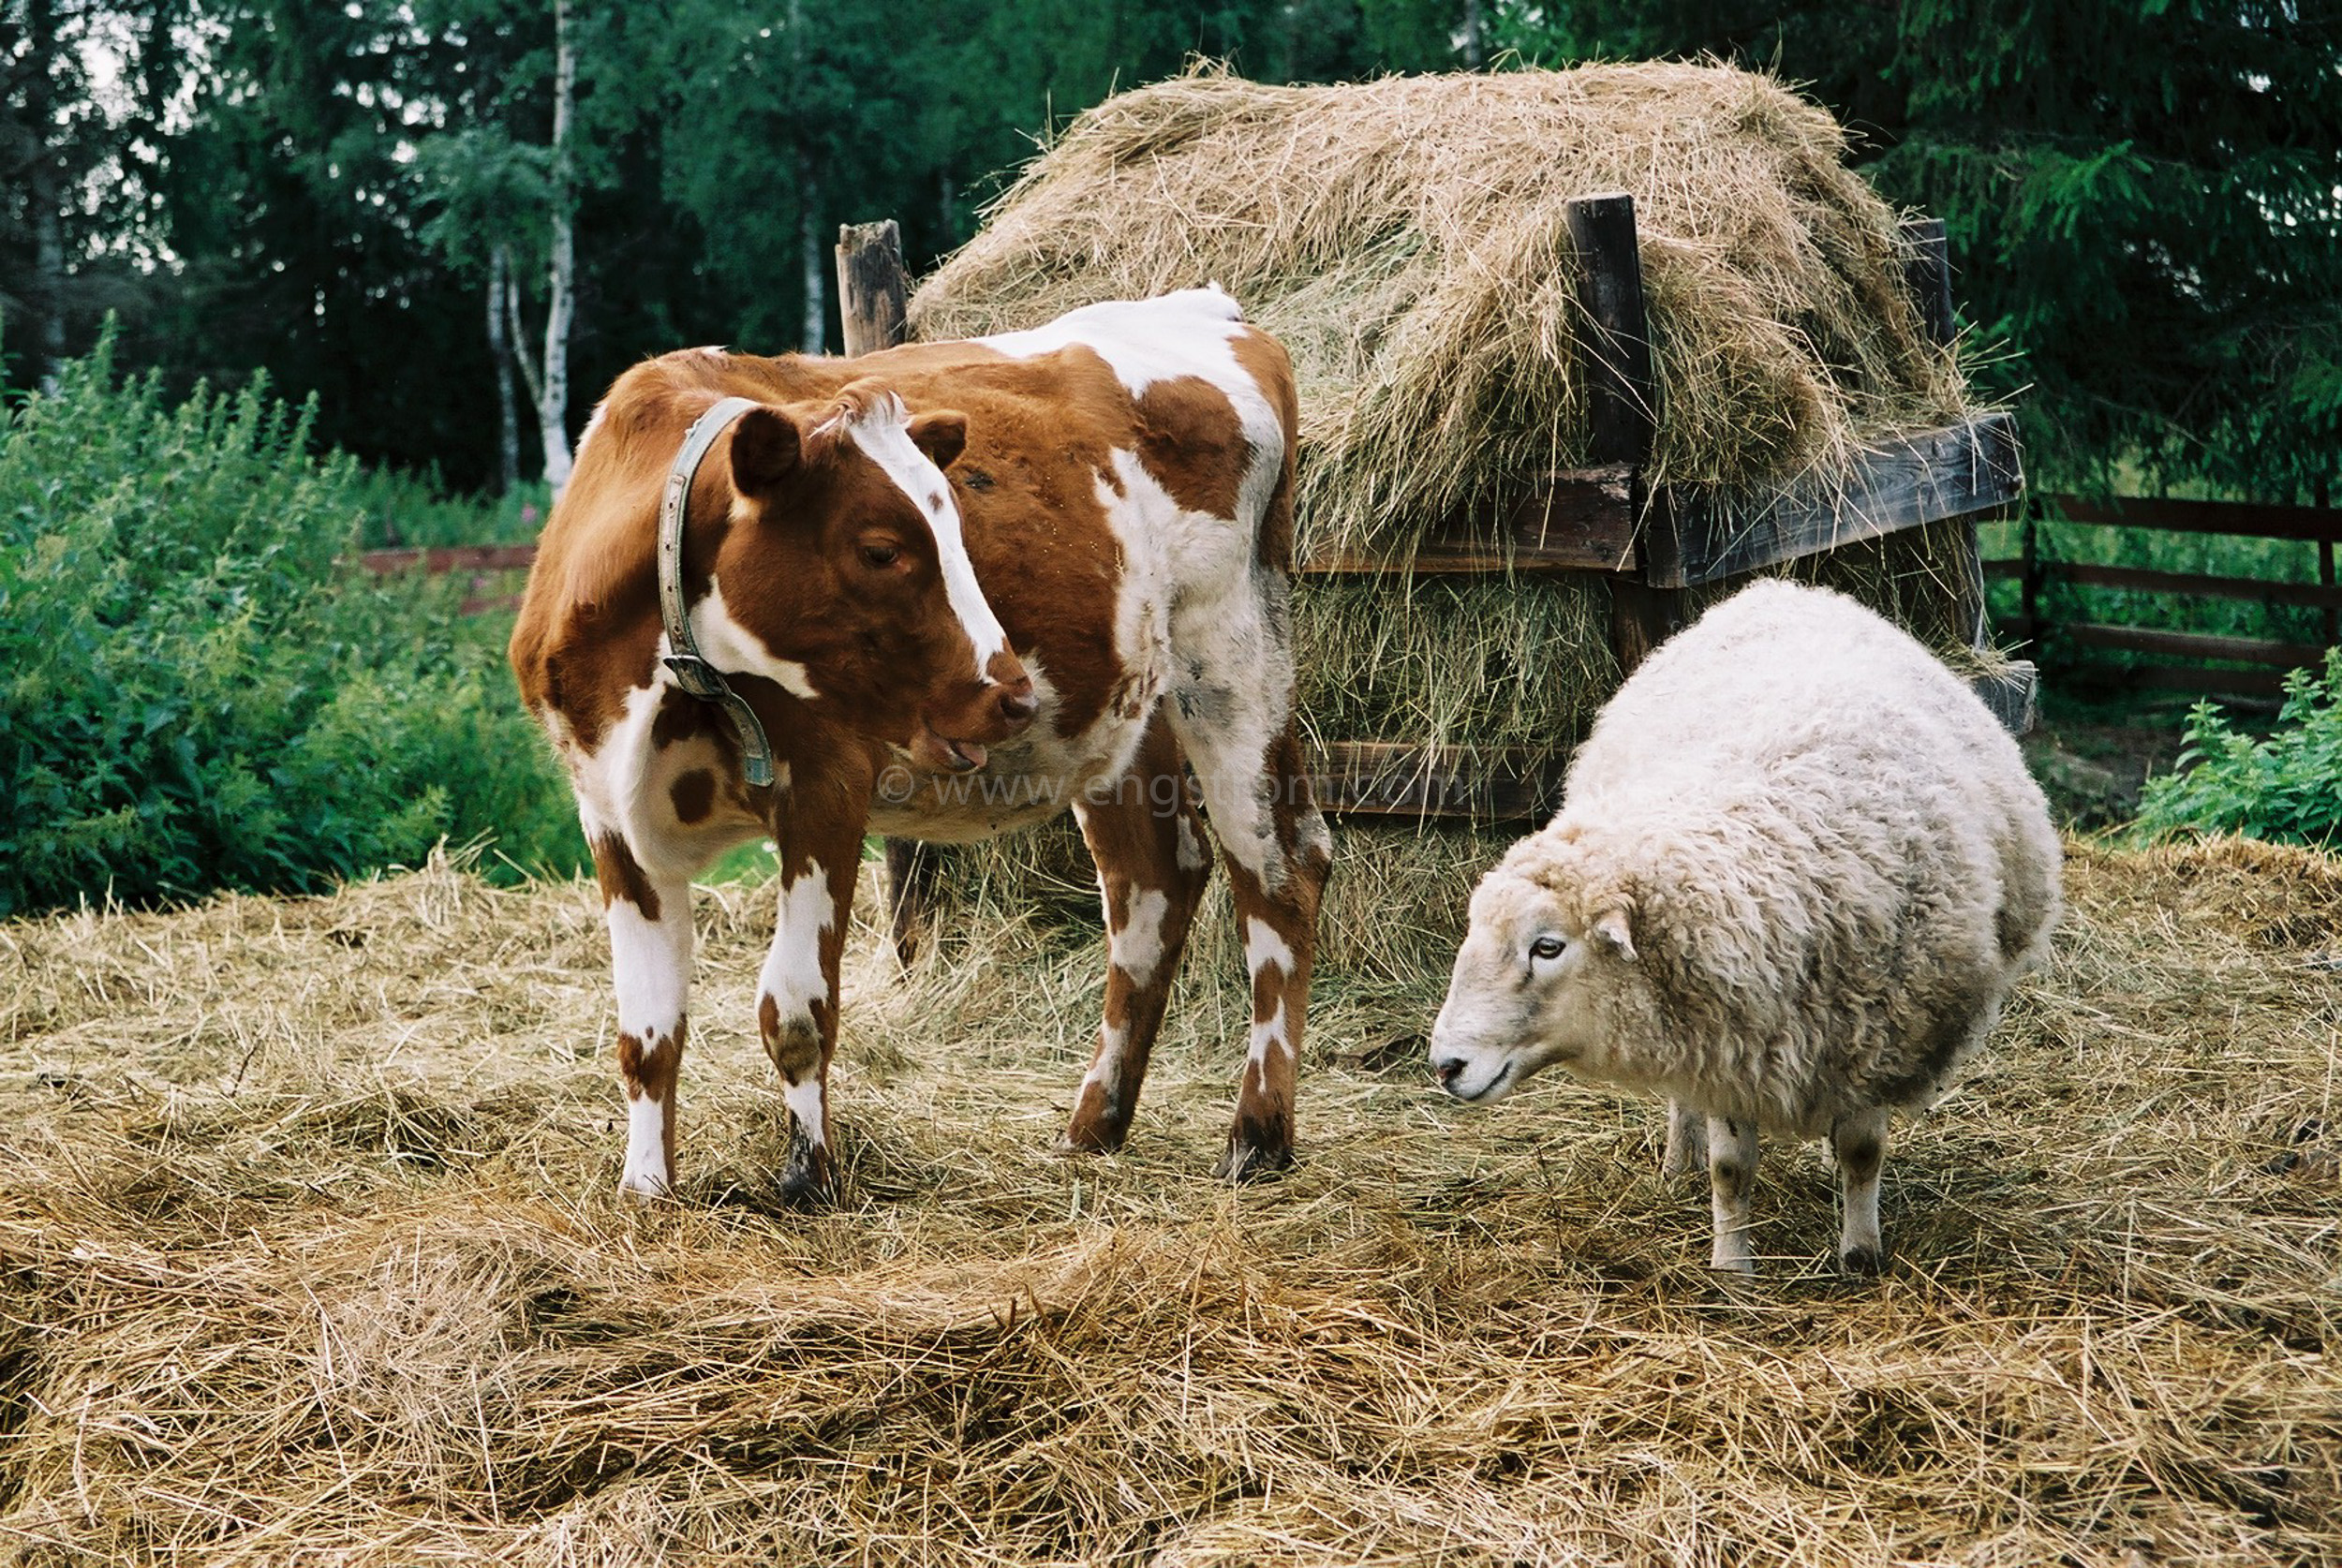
(309, 1253)
(1405, 238)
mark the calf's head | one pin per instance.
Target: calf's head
(1542, 976)
(844, 559)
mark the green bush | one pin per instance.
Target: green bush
(2287, 785)
(194, 695)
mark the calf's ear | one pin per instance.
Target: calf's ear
(942, 433)
(1612, 930)
(766, 449)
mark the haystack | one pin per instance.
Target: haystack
(1406, 239)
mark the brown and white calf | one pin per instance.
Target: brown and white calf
(1057, 556)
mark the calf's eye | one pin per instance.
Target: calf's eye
(1545, 947)
(879, 555)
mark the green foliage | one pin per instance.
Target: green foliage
(2287, 785)
(2139, 198)
(195, 695)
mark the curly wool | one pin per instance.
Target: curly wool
(1836, 864)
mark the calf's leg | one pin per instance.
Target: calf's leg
(650, 961)
(1731, 1180)
(797, 1003)
(1859, 1143)
(1277, 852)
(1152, 868)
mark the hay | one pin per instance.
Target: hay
(1405, 238)
(311, 1255)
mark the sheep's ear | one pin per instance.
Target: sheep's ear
(1611, 929)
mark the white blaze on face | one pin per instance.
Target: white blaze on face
(885, 440)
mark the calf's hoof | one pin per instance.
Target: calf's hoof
(805, 1180)
(1086, 1136)
(1246, 1160)
(1863, 1262)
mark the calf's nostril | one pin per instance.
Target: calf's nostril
(1448, 1070)
(1018, 703)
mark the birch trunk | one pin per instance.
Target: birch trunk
(552, 387)
(508, 414)
(815, 336)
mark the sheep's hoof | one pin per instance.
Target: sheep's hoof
(1865, 1262)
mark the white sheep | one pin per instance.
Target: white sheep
(1798, 870)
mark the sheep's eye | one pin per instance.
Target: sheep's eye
(880, 554)
(1545, 947)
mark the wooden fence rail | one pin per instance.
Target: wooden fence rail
(2035, 572)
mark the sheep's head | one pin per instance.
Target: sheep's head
(1538, 977)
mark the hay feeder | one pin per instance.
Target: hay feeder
(1580, 566)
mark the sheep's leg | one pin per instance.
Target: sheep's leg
(1859, 1142)
(1731, 1178)
(1687, 1140)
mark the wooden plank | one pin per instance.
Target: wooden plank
(2184, 677)
(1575, 522)
(1696, 534)
(1386, 778)
(2003, 569)
(438, 560)
(2194, 645)
(1927, 273)
(2141, 579)
(2198, 517)
(872, 288)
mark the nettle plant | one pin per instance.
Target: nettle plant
(198, 691)
(2287, 785)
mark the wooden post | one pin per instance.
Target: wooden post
(872, 291)
(1622, 393)
(2318, 494)
(1927, 273)
(2029, 584)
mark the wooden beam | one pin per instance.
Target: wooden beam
(1574, 522)
(438, 560)
(2141, 579)
(872, 287)
(1387, 778)
(2256, 684)
(2194, 645)
(1696, 534)
(2198, 517)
